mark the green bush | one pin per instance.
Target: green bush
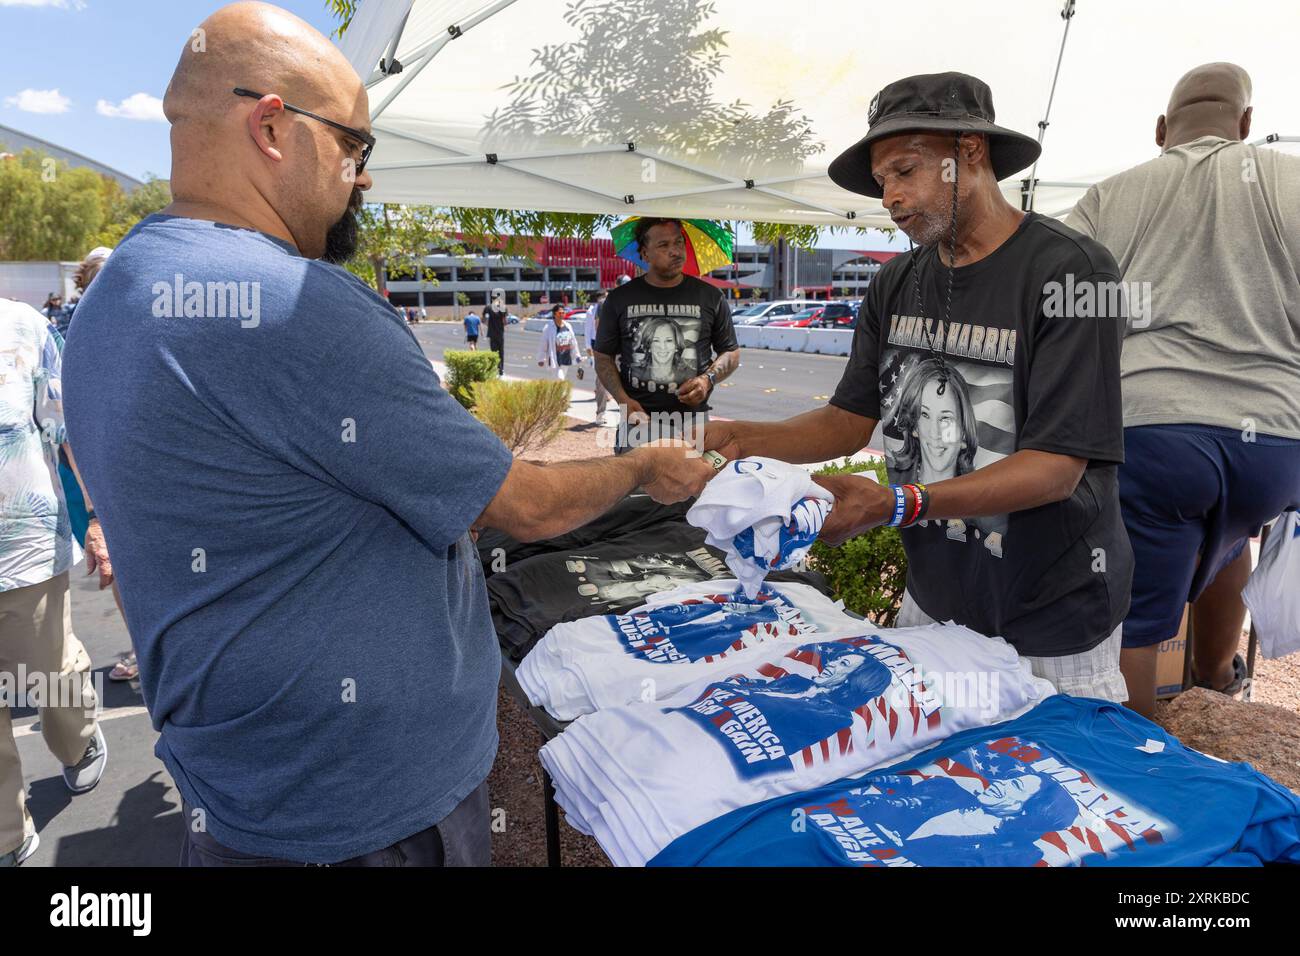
(868, 573)
(464, 368)
(524, 415)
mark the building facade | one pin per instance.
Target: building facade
(561, 268)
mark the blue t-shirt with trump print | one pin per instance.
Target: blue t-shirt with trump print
(287, 490)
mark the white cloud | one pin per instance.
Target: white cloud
(137, 106)
(39, 101)
(61, 4)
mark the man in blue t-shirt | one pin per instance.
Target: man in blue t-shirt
(289, 489)
(472, 325)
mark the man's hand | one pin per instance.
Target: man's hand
(633, 413)
(673, 471)
(97, 554)
(860, 504)
(694, 391)
(724, 438)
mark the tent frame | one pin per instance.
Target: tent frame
(422, 56)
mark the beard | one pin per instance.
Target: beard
(343, 237)
(930, 228)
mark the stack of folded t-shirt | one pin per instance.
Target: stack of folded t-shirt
(1074, 782)
(641, 775)
(608, 577)
(675, 639)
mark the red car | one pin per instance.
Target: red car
(801, 320)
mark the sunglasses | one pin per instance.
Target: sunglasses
(359, 135)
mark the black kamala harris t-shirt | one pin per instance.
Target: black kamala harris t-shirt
(1029, 359)
(664, 337)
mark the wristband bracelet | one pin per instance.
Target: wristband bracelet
(914, 510)
(900, 505)
(922, 506)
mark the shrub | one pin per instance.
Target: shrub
(524, 415)
(868, 573)
(464, 368)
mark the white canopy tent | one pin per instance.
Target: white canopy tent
(733, 109)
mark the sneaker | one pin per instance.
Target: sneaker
(85, 773)
(18, 856)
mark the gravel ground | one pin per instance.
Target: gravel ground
(516, 780)
(515, 784)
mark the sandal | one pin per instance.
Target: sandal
(125, 669)
(1233, 687)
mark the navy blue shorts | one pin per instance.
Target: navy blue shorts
(1192, 496)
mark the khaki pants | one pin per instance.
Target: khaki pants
(36, 632)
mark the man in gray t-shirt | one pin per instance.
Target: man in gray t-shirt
(1208, 243)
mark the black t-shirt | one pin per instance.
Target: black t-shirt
(496, 322)
(609, 577)
(663, 337)
(498, 551)
(1053, 580)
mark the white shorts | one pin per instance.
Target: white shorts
(1094, 673)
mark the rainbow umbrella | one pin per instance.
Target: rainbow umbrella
(708, 245)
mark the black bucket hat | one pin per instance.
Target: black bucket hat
(932, 103)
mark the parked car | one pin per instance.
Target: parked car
(761, 313)
(837, 315)
(801, 320)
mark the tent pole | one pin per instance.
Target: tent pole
(455, 31)
(1067, 14)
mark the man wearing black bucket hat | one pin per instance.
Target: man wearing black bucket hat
(990, 357)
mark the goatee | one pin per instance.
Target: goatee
(342, 238)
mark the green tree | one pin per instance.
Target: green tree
(48, 209)
(392, 232)
(126, 209)
(344, 10)
(21, 198)
(52, 211)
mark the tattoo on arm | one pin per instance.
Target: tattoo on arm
(607, 371)
(725, 364)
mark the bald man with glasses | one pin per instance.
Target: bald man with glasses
(290, 491)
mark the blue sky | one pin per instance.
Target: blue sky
(102, 50)
(89, 75)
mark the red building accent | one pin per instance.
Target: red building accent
(564, 253)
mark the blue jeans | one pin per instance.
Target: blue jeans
(462, 838)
